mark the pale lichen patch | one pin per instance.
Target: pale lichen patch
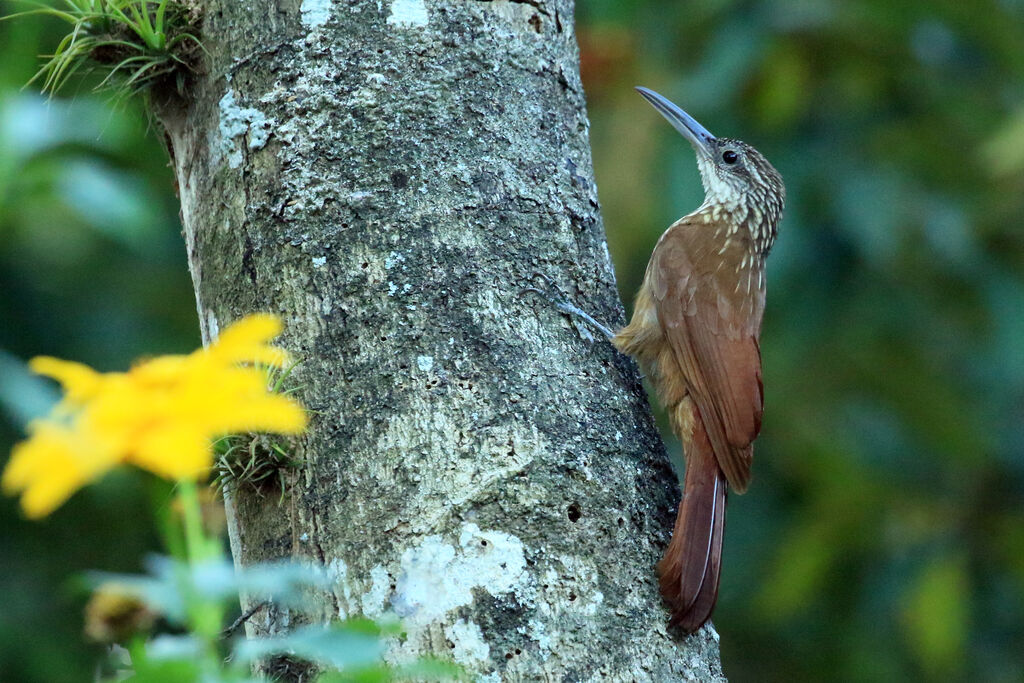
(516, 13)
(436, 577)
(237, 121)
(212, 327)
(537, 630)
(468, 644)
(374, 601)
(393, 259)
(408, 13)
(315, 12)
(340, 586)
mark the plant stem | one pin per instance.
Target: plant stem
(198, 545)
(205, 614)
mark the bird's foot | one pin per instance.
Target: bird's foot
(561, 302)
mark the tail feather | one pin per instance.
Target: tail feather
(691, 567)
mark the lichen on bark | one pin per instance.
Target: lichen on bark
(388, 176)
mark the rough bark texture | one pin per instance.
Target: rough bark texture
(387, 176)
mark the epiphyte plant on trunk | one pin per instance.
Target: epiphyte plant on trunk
(136, 43)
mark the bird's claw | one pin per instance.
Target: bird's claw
(561, 302)
(563, 305)
(543, 292)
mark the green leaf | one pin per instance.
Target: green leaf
(164, 661)
(425, 669)
(337, 646)
(937, 617)
(431, 669)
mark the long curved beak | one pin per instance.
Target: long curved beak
(698, 135)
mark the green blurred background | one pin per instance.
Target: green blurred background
(883, 537)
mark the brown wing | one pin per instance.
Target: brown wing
(709, 294)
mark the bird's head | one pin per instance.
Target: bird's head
(735, 175)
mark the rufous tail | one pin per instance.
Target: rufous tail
(690, 569)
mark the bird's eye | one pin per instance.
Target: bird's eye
(729, 156)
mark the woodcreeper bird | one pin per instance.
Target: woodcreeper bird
(695, 331)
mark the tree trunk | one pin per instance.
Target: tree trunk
(387, 177)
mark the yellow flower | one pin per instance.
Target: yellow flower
(161, 415)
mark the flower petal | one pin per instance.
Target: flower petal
(50, 466)
(247, 341)
(80, 382)
(174, 453)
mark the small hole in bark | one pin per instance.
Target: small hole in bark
(518, 651)
(621, 521)
(483, 542)
(451, 645)
(399, 180)
(365, 265)
(575, 512)
(572, 597)
(508, 655)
